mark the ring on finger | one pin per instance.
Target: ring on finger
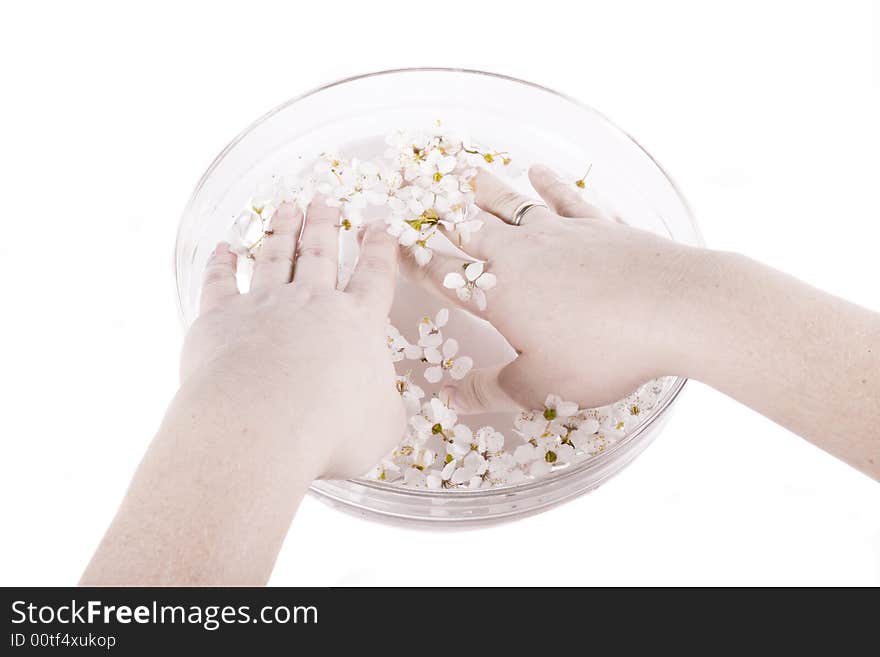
(521, 210)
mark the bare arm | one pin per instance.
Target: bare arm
(257, 418)
(596, 307)
(804, 358)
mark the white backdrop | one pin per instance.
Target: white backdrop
(765, 113)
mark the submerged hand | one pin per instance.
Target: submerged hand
(588, 303)
(314, 355)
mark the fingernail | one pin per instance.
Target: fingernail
(544, 173)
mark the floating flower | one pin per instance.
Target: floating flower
(435, 419)
(410, 393)
(472, 285)
(557, 409)
(446, 360)
(398, 346)
(430, 334)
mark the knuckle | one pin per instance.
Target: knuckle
(275, 256)
(478, 388)
(312, 251)
(507, 199)
(215, 275)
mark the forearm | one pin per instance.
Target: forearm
(213, 497)
(805, 359)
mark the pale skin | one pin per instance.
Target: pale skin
(291, 382)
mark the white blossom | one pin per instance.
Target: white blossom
(430, 334)
(410, 393)
(472, 285)
(445, 360)
(398, 346)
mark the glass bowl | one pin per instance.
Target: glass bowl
(535, 123)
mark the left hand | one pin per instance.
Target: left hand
(311, 357)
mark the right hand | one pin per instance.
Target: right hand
(589, 304)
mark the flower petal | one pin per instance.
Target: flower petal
(487, 281)
(434, 374)
(432, 355)
(473, 270)
(461, 366)
(423, 256)
(453, 280)
(450, 348)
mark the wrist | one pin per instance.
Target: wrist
(699, 311)
(246, 412)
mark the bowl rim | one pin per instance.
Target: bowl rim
(571, 472)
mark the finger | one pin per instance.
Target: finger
(273, 261)
(562, 198)
(494, 196)
(218, 282)
(485, 240)
(480, 391)
(375, 276)
(431, 277)
(318, 254)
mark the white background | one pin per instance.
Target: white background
(765, 113)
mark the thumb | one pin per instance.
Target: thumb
(481, 391)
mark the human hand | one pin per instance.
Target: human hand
(588, 303)
(315, 355)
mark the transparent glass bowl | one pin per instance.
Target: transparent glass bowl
(534, 123)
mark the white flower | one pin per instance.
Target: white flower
(473, 465)
(429, 329)
(398, 346)
(586, 438)
(462, 228)
(421, 252)
(472, 285)
(434, 480)
(446, 360)
(530, 424)
(525, 453)
(401, 228)
(488, 440)
(432, 169)
(424, 458)
(387, 471)
(557, 409)
(246, 231)
(552, 451)
(539, 468)
(410, 393)
(413, 477)
(436, 419)
(459, 441)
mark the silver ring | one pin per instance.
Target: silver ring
(521, 210)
